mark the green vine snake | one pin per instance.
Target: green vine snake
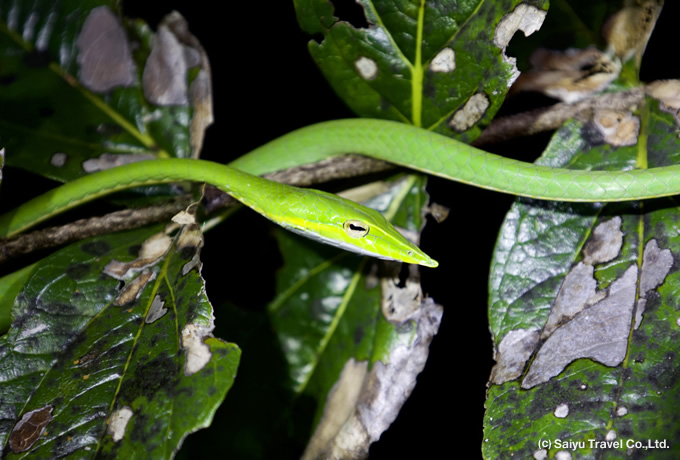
(340, 222)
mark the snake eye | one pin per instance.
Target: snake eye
(355, 228)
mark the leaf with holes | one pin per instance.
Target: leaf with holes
(84, 90)
(439, 65)
(109, 354)
(344, 320)
(582, 305)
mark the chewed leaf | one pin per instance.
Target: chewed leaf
(439, 65)
(582, 310)
(355, 331)
(366, 399)
(107, 355)
(85, 90)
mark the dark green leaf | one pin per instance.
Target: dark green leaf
(438, 65)
(343, 320)
(10, 286)
(123, 368)
(582, 309)
(73, 89)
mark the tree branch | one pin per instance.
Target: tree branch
(340, 167)
(333, 168)
(549, 118)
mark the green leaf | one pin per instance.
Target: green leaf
(116, 367)
(10, 286)
(582, 309)
(343, 320)
(433, 64)
(78, 89)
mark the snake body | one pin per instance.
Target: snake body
(340, 222)
(432, 153)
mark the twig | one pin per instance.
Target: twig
(545, 119)
(126, 219)
(341, 167)
(334, 168)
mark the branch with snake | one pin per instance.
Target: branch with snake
(337, 221)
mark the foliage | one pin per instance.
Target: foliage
(97, 361)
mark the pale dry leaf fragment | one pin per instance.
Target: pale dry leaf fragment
(656, 263)
(200, 88)
(570, 75)
(165, 72)
(58, 160)
(367, 68)
(118, 422)
(578, 290)
(193, 263)
(439, 212)
(399, 302)
(617, 127)
(200, 95)
(444, 61)
(155, 246)
(667, 92)
(526, 18)
(385, 389)
(605, 243)
(640, 307)
(563, 455)
(571, 59)
(388, 385)
(562, 411)
(104, 53)
(340, 405)
(29, 429)
(471, 113)
(197, 352)
(112, 160)
(134, 288)
(184, 218)
(541, 454)
(152, 250)
(42, 39)
(156, 310)
(513, 352)
(599, 332)
(627, 31)
(191, 239)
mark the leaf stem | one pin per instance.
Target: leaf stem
(417, 71)
(641, 158)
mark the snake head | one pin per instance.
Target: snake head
(342, 223)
